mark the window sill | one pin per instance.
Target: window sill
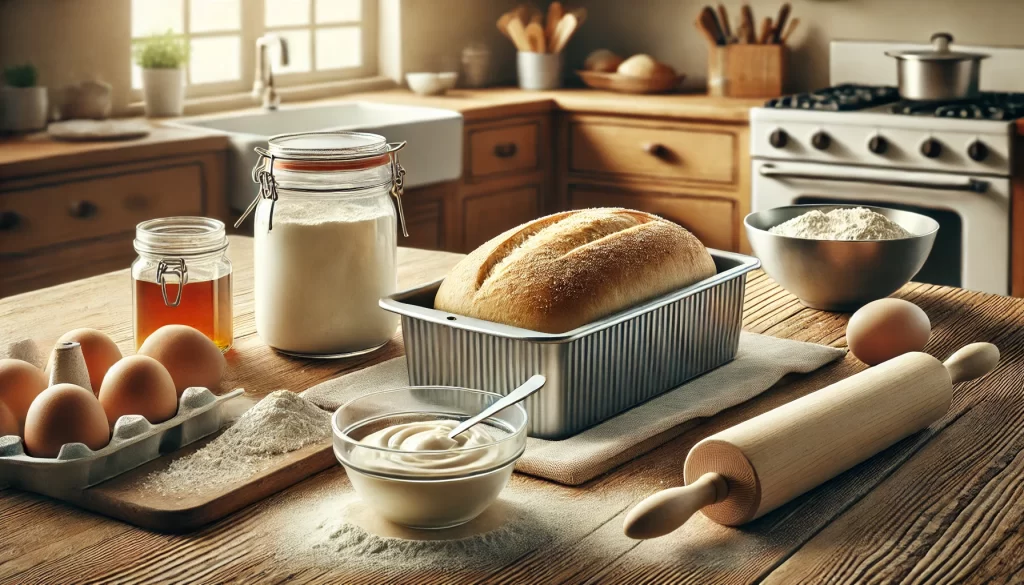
(294, 93)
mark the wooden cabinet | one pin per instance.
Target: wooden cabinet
(428, 212)
(696, 174)
(509, 147)
(486, 215)
(683, 152)
(711, 219)
(63, 226)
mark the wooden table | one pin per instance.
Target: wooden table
(943, 506)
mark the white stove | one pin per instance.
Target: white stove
(857, 142)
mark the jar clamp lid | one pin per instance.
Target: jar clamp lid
(172, 240)
(326, 152)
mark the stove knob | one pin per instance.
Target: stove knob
(977, 151)
(821, 141)
(931, 148)
(878, 144)
(778, 138)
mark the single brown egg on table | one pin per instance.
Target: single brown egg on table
(887, 328)
(20, 383)
(99, 350)
(63, 414)
(138, 384)
(8, 422)
(190, 357)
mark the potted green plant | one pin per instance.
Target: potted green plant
(162, 59)
(24, 105)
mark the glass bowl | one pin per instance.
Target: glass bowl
(430, 488)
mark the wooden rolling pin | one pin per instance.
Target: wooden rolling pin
(748, 470)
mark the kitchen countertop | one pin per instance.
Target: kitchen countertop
(943, 505)
(36, 153)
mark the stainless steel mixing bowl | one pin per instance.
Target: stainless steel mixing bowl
(840, 275)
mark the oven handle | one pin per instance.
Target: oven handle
(941, 184)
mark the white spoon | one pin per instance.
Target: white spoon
(518, 395)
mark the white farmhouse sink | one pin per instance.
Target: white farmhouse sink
(433, 155)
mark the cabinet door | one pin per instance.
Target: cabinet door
(489, 214)
(711, 219)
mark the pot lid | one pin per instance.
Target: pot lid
(940, 42)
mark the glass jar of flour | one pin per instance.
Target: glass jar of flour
(326, 242)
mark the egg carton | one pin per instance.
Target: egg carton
(134, 441)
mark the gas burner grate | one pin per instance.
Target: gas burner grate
(990, 106)
(840, 98)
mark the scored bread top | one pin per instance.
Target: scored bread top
(562, 271)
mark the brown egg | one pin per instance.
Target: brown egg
(190, 357)
(20, 383)
(100, 353)
(886, 328)
(8, 422)
(63, 414)
(138, 384)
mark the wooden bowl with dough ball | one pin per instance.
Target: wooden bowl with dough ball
(638, 74)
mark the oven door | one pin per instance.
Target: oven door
(972, 249)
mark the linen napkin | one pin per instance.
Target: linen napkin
(760, 362)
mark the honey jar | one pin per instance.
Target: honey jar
(182, 276)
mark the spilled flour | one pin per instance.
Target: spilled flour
(327, 526)
(842, 224)
(280, 423)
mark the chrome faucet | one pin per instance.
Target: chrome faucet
(263, 85)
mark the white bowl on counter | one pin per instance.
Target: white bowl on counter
(425, 83)
(428, 489)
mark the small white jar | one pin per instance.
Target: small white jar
(326, 243)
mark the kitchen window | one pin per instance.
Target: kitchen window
(328, 40)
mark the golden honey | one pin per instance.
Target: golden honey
(205, 305)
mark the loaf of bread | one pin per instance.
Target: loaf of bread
(565, 270)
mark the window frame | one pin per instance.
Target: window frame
(252, 26)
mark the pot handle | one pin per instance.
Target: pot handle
(941, 41)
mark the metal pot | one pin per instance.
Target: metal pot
(939, 74)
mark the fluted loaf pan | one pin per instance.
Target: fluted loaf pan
(593, 372)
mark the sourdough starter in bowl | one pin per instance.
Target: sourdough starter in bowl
(413, 475)
(395, 448)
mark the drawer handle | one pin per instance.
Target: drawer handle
(505, 150)
(655, 149)
(9, 220)
(82, 209)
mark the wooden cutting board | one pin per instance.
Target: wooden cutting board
(124, 497)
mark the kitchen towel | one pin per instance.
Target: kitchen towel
(760, 362)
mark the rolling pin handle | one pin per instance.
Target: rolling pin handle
(668, 509)
(972, 361)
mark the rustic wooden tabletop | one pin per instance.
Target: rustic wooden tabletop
(943, 506)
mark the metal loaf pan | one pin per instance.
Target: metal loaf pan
(594, 372)
(134, 442)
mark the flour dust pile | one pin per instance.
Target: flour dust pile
(842, 224)
(280, 423)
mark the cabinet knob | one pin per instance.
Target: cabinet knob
(655, 149)
(82, 209)
(505, 150)
(9, 220)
